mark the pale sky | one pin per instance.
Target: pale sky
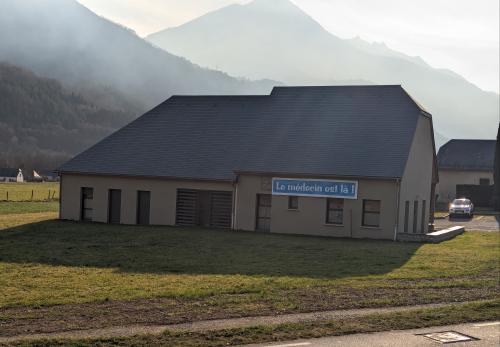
(460, 35)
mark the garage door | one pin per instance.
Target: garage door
(204, 208)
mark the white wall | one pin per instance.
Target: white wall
(417, 180)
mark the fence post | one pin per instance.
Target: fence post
(48, 198)
(32, 195)
(7, 195)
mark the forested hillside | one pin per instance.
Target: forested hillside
(42, 123)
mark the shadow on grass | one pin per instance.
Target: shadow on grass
(160, 250)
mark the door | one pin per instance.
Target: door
(221, 208)
(114, 208)
(143, 207)
(263, 212)
(204, 208)
(87, 196)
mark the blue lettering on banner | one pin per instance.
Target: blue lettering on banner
(315, 188)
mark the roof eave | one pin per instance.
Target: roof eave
(173, 178)
(312, 175)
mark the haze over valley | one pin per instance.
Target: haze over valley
(276, 39)
(70, 77)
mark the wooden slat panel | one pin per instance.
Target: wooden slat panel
(186, 210)
(221, 209)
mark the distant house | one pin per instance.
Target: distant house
(11, 175)
(466, 170)
(45, 176)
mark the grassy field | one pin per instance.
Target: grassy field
(23, 191)
(17, 207)
(42, 262)
(157, 275)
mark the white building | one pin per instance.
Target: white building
(11, 175)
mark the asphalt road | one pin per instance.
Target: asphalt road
(483, 223)
(486, 334)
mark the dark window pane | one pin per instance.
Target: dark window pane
(335, 204)
(335, 216)
(335, 211)
(372, 205)
(293, 202)
(88, 193)
(415, 216)
(371, 213)
(407, 215)
(422, 223)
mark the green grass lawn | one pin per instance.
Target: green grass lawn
(23, 191)
(10, 208)
(158, 275)
(55, 262)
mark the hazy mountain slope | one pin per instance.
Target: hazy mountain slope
(277, 40)
(39, 118)
(62, 39)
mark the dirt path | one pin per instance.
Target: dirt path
(219, 324)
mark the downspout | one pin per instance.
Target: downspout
(398, 182)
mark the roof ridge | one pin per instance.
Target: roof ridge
(340, 86)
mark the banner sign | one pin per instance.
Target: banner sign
(315, 188)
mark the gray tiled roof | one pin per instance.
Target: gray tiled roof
(356, 131)
(467, 155)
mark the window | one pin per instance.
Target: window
(415, 216)
(484, 181)
(87, 195)
(371, 213)
(293, 202)
(422, 225)
(407, 215)
(334, 211)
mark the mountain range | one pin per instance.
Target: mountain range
(70, 77)
(275, 39)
